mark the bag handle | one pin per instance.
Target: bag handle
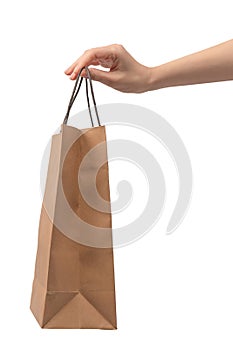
(75, 92)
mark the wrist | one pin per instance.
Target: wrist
(156, 80)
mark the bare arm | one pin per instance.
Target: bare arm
(127, 75)
(210, 65)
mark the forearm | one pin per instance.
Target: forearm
(210, 65)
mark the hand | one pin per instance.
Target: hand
(125, 73)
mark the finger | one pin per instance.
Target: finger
(101, 76)
(83, 62)
(69, 70)
(90, 57)
(86, 59)
(76, 64)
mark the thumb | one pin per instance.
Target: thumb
(101, 76)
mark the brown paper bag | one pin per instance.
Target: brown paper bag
(73, 285)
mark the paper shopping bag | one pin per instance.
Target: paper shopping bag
(73, 284)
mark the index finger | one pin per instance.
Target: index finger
(89, 57)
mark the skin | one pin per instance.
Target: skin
(127, 75)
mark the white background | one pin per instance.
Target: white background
(172, 291)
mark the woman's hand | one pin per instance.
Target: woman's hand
(125, 73)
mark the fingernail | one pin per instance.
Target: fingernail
(72, 76)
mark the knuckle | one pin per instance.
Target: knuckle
(117, 47)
